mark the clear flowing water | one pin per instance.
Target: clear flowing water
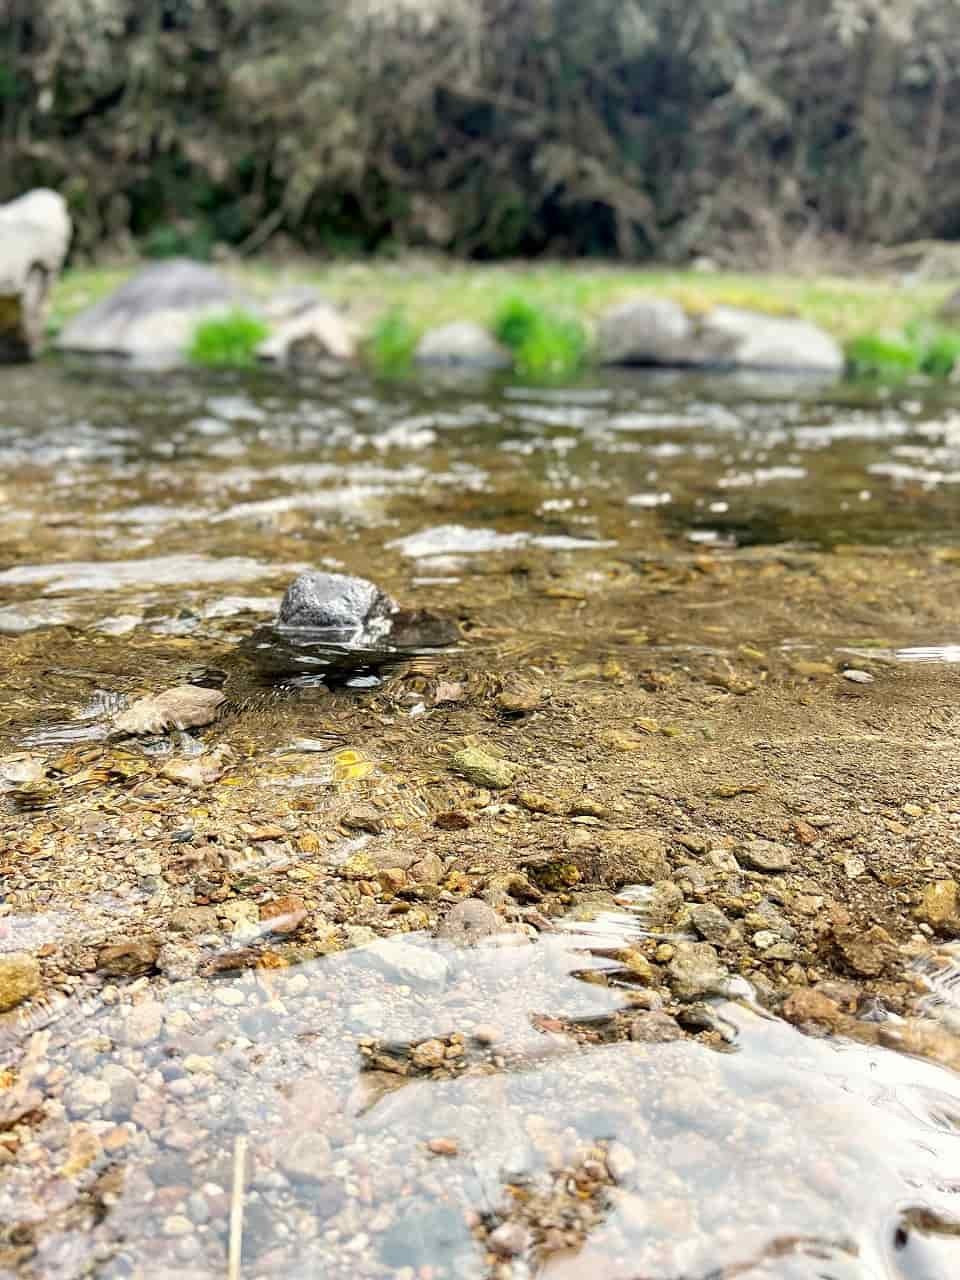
(412, 1107)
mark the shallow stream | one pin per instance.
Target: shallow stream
(407, 1106)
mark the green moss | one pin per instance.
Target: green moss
(545, 344)
(882, 357)
(939, 347)
(227, 341)
(392, 343)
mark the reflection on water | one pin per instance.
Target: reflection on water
(475, 1112)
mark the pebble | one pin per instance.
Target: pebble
(443, 1147)
(710, 922)
(429, 1055)
(127, 959)
(19, 978)
(695, 971)
(177, 1225)
(469, 921)
(483, 769)
(143, 1023)
(509, 1240)
(764, 855)
(284, 915)
(855, 676)
(305, 1157)
(938, 905)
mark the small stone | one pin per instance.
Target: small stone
(19, 978)
(284, 915)
(469, 921)
(866, 952)
(764, 939)
(509, 1240)
(765, 855)
(857, 677)
(854, 867)
(621, 1161)
(86, 1095)
(127, 959)
(443, 1147)
(391, 880)
(654, 1027)
(695, 971)
(195, 920)
(178, 963)
(664, 902)
(518, 701)
(306, 1157)
(429, 1055)
(804, 1006)
(177, 1225)
(368, 820)
(938, 906)
(143, 1023)
(429, 870)
(535, 802)
(483, 769)
(710, 922)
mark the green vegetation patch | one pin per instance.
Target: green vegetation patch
(925, 347)
(227, 341)
(392, 343)
(545, 344)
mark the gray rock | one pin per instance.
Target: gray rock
(661, 907)
(306, 1157)
(654, 1027)
(19, 978)
(750, 340)
(470, 921)
(334, 601)
(195, 920)
(35, 233)
(313, 334)
(465, 344)
(403, 962)
(123, 1089)
(710, 922)
(152, 317)
(695, 971)
(644, 331)
(764, 855)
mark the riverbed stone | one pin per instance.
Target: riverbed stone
(751, 340)
(710, 922)
(483, 769)
(865, 951)
(320, 601)
(764, 855)
(19, 978)
(35, 232)
(127, 959)
(469, 921)
(152, 317)
(464, 344)
(695, 971)
(644, 331)
(938, 906)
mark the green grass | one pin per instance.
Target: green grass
(545, 344)
(229, 341)
(883, 358)
(393, 340)
(925, 347)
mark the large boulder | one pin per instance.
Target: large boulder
(645, 331)
(462, 345)
(656, 331)
(152, 317)
(750, 340)
(310, 335)
(35, 235)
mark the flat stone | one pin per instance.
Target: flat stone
(866, 952)
(464, 344)
(19, 978)
(938, 905)
(695, 971)
(710, 922)
(305, 1157)
(483, 769)
(127, 959)
(764, 855)
(470, 921)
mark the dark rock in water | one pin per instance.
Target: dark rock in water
(342, 629)
(335, 601)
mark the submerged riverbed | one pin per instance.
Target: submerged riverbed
(614, 940)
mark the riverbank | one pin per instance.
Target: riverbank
(434, 292)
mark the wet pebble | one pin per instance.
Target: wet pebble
(19, 978)
(695, 971)
(470, 921)
(710, 922)
(764, 855)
